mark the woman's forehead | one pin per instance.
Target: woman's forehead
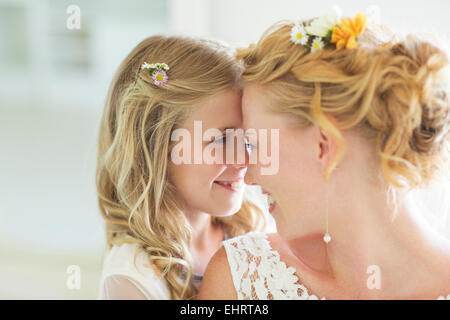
(255, 106)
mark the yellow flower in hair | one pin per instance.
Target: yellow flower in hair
(346, 34)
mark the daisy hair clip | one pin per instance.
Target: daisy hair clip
(158, 72)
(329, 31)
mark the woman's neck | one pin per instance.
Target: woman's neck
(375, 255)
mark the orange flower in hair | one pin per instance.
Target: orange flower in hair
(346, 34)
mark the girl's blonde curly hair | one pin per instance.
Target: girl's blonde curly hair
(135, 196)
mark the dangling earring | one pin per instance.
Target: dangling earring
(326, 237)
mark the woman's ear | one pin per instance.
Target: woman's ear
(326, 146)
(322, 144)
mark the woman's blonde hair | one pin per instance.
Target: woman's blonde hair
(394, 90)
(135, 195)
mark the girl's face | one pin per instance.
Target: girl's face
(206, 187)
(297, 186)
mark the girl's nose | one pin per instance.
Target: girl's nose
(241, 153)
(248, 178)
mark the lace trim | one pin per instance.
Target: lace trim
(259, 274)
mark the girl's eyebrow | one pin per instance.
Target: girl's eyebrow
(225, 128)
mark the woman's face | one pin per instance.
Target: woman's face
(205, 187)
(297, 187)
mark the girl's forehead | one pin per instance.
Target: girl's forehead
(220, 112)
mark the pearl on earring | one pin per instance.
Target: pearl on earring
(327, 237)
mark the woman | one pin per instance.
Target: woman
(362, 122)
(164, 217)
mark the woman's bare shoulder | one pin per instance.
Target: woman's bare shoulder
(217, 283)
(275, 241)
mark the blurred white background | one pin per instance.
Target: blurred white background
(53, 82)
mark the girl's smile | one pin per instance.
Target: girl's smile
(232, 185)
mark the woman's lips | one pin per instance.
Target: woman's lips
(270, 201)
(234, 185)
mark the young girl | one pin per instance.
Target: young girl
(165, 219)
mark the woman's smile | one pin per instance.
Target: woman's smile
(270, 201)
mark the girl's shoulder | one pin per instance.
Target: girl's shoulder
(131, 261)
(130, 257)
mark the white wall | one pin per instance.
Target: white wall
(243, 22)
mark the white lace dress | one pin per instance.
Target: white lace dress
(259, 274)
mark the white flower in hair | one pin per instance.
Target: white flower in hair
(317, 44)
(298, 35)
(322, 25)
(145, 65)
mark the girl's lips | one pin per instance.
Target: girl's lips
(234, 185)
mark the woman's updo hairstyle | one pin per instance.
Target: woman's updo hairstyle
(396, 90)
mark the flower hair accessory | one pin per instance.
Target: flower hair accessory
(330, 31)
(157, 71)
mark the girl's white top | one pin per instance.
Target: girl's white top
(122, 279)
(259, 274)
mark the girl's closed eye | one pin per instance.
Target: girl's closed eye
(221, 139)
(224, 137)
